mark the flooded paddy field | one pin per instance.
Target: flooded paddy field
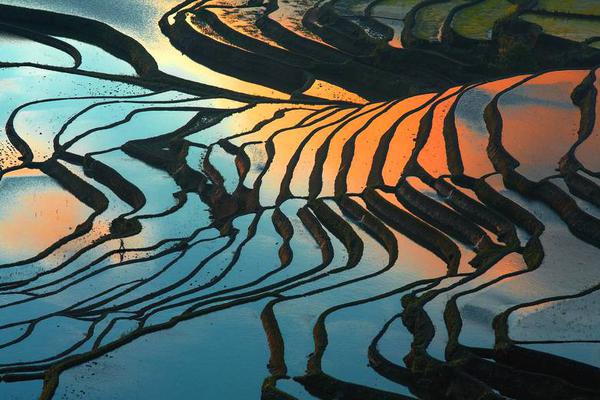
(232, 199)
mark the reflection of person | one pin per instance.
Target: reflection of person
(122, 250)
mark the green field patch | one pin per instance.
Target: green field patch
(477, 21)
(584, 7)
(576, 29)
(430, 19)
(393, 8)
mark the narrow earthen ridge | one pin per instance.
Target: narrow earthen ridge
(83, 29)
(415, 229)
(45, 39)
(583, 225)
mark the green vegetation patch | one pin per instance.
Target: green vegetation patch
(585, 7)
(393, 8)
(430, 19)
(477, 21)
(576, 29)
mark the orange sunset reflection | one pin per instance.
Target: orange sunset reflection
(45, 213)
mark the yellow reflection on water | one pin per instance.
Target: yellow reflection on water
(329, 91)
(433, 155)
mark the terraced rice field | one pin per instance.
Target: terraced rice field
(477, 21)
(575, 29)
(430, 19)
(583, 7)
(392, 14)
(312, 228)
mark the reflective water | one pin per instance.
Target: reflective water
(146, 233)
